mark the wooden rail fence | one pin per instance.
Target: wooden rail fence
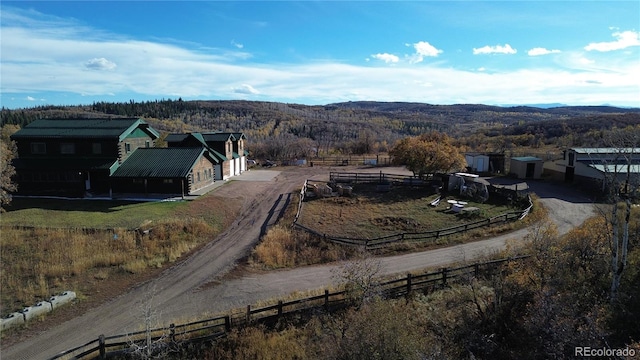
(378, 242)
(371, 160)
(217, 327)
(379, 178)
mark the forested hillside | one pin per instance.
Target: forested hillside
(279, 130)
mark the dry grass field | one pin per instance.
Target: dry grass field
(56, 254)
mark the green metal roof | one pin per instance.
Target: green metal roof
(218, 155)
(161, 162)
(176, 137)
(239, 135)
(83, 128)
(205, 139)
(218, 136)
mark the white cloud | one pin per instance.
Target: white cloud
(585, 61)
(623, 40)
(541, 51)
(100, 64)
(423, 49)
(236, 44)
(387, 58)
(31, 98)
(498, 49)
(35, 61)
(246, 89)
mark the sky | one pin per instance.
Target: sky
(320, 52)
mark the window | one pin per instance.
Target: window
(38, 148)
(97, 148)
(147, 143)
(67, 148)
(198, 175)
(127, 148)
(167, 181)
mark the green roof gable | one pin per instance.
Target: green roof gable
(161, 162)
(118, 128)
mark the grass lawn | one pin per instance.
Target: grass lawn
(86, 213)
(371, 214)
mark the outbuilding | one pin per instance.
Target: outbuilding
(477, 162)
(526, 167)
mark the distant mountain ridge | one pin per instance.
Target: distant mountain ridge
(557, 109)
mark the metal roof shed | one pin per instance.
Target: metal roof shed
(526, 167)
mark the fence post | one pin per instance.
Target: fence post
(279, 308)
(444, 276)
(227, 323)
(172, 332)
(408, 284)
(248, 315)
(476, 270)
(326, 299)
(101, 346)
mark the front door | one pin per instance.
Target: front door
(531, 170)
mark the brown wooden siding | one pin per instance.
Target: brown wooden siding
(203, 174)
(134, 143)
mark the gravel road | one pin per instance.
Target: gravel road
(184, 291)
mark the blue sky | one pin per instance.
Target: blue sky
(320, 52)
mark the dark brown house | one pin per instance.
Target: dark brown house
(76, 157)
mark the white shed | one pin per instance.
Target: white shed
(477, 162)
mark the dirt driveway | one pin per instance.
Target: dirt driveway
(184, 292)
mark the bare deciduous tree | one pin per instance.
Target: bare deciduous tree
(151, 347)
(359, 276)
(622, 181)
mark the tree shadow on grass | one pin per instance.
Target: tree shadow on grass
(104, 206)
